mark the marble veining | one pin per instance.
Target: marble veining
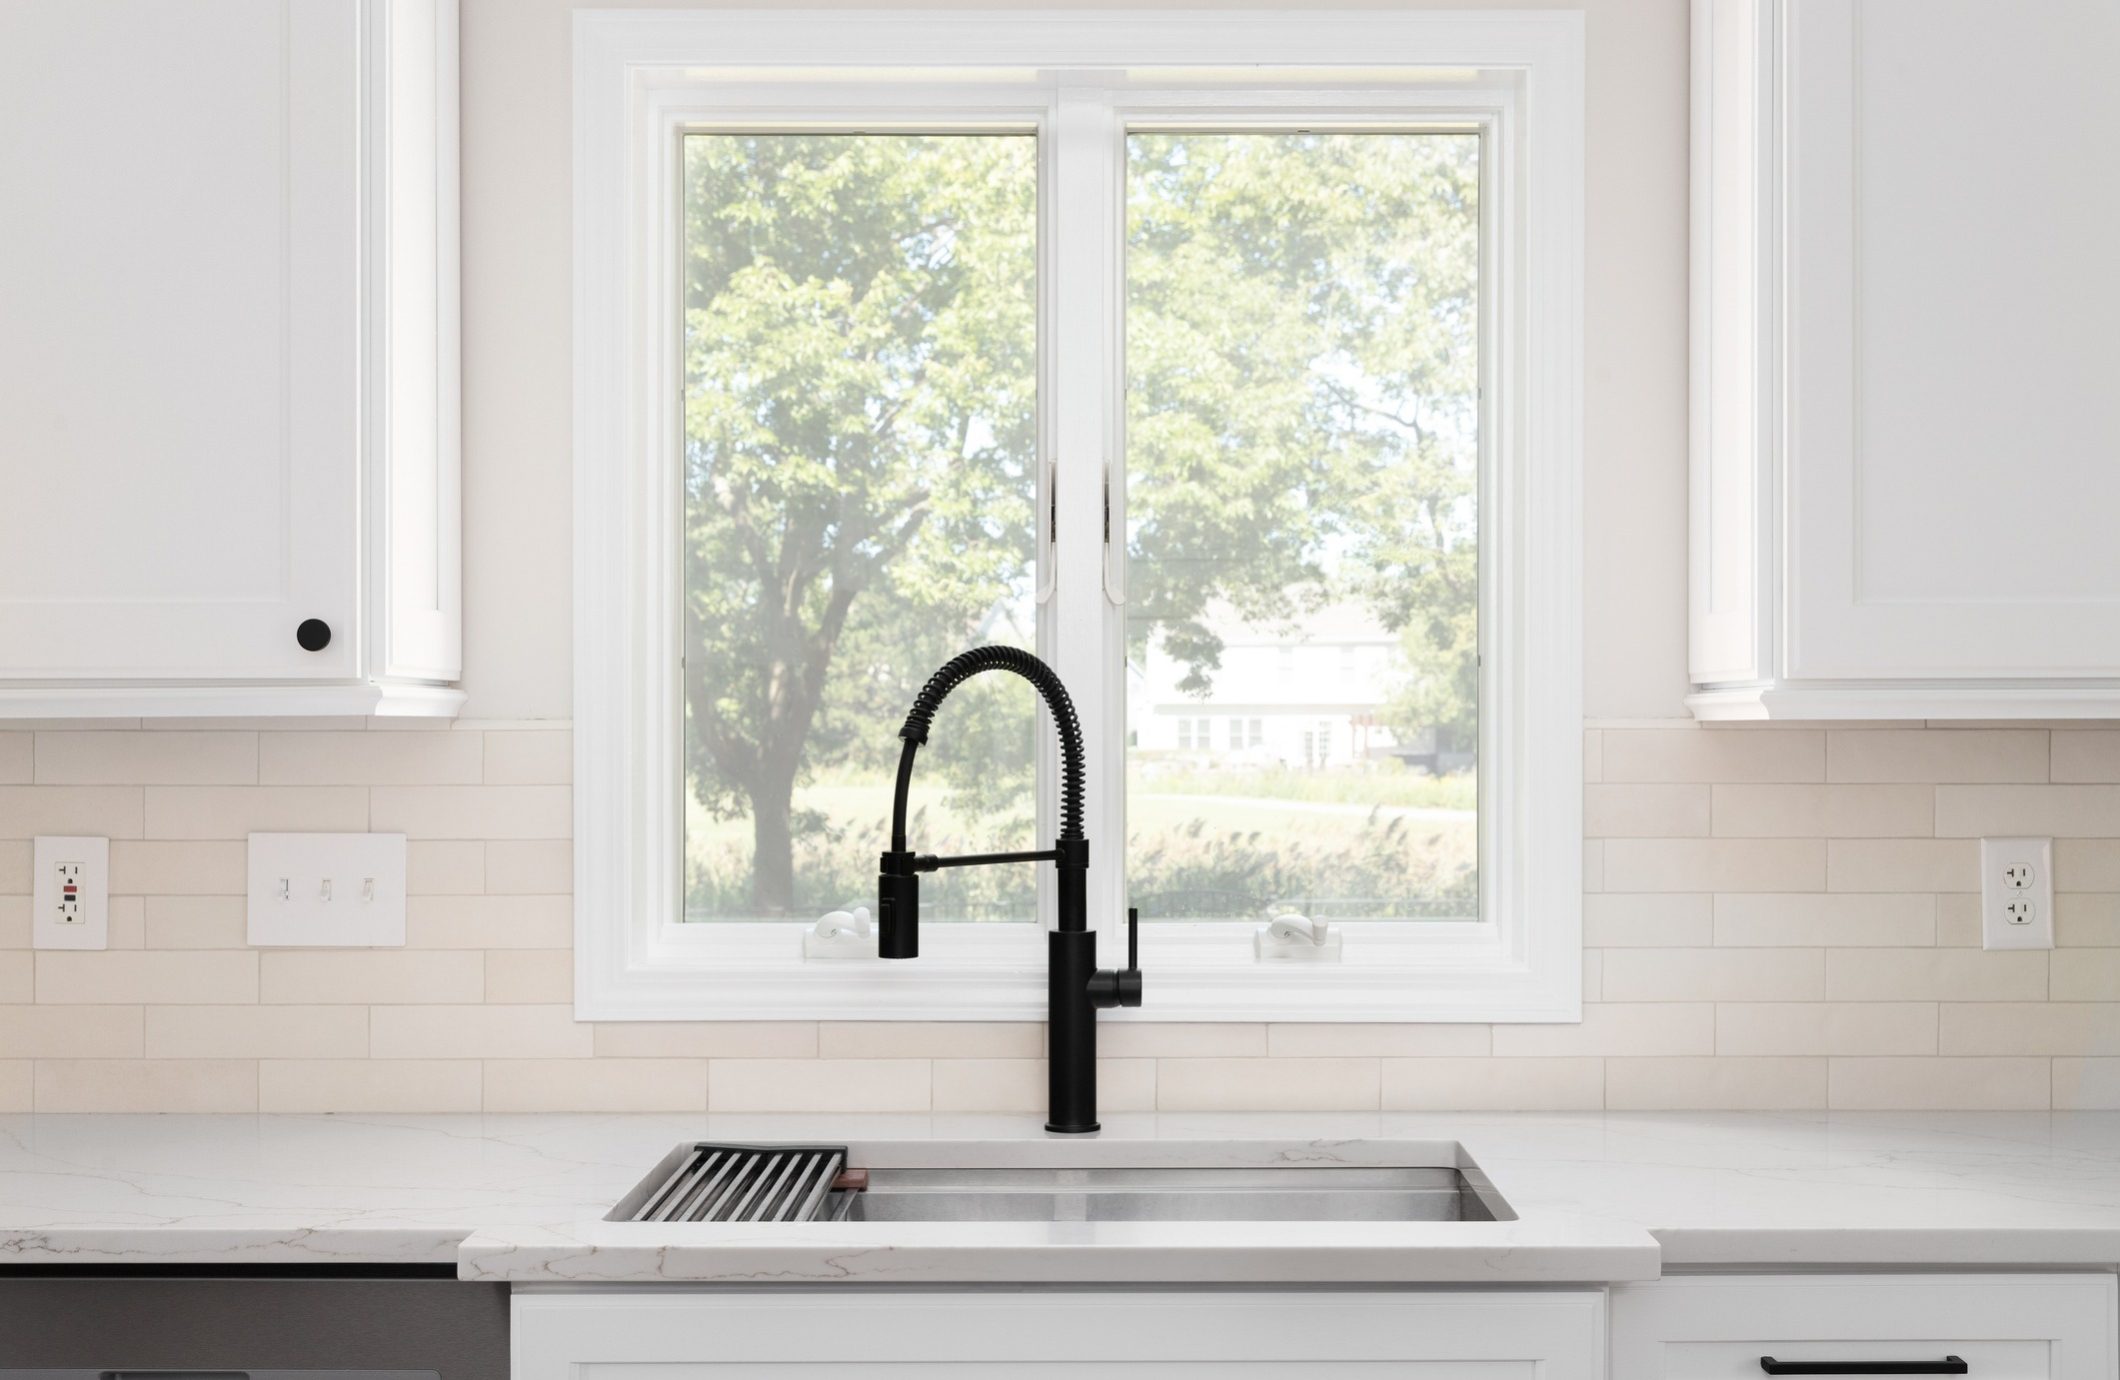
(1598, 1196)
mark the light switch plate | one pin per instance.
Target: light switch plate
(2017, 893)
(70, 901)
(344, 891)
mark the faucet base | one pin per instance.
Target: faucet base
(1053, 1128)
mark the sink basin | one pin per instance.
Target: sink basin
(707, 1182)
(1294, 1194)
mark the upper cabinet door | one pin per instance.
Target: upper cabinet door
(1905, 432)
(180, 372)
(1954, 447)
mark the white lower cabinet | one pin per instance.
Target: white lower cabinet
(2002, 1327)
(856, 1332)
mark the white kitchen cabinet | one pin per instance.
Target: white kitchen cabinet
(609, 1332)
(1904, 425)
(228, 372)
(2003, 1327)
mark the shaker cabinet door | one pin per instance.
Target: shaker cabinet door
(180, 375)
(2000, 1327)
(836, 1333)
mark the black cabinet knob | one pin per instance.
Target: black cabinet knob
(314, 634)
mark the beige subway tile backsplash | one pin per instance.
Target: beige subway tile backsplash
(2087, 1085)
(17, 1086)
(1676, 975)
(1775, 918)
(1940, 1085)
(1936, 755)
(234, 812)
(478, 1032)
(71, 1032)
(113, 812)
(2084, 754)
(1973, 812)
(1645, 811)
(1725, 1084)
(1251, 1085)
(369, 1085)
(195, 922)
(1493, 1085)
(370, 759)
(1825, 921)
(1617, 1028)
(1935, 975)
(96, 758)
(1715, 865)
(819, 1085)
(147, 1085)
(1809, 812)
(18, 977)
(1619, 920)
(531, 758)
(371, 976)
(257, 1032)
(1902, 865)
(1712, 756)
(596, 1085)
(1821, 1028)
(17, 758)
(472, 812)
(193, 977)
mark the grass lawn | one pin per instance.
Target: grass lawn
(1184, 820)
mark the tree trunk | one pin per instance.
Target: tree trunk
(773, 843)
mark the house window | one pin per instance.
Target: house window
(1235, 389)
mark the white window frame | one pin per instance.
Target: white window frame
(642, 79)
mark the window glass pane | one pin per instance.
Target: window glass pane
(1302, 358)
(860, 334)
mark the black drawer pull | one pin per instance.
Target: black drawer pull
(1949, 1365)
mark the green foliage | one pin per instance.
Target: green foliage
(1389, 868)
(1302, 352)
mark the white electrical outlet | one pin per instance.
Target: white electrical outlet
(344, 891)
(70, 908)
(2017, 893)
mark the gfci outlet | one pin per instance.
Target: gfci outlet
(344, 891)
(70, 907)
(2017, 893)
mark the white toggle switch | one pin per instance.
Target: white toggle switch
(71, 905)
(333, 890)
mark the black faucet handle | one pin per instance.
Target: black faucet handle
(1109, 987)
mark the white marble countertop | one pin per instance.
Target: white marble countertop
(1598, 1197)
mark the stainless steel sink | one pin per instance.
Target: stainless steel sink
(1305, 1194)
(706, 1182)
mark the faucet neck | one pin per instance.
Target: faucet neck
(961, 668)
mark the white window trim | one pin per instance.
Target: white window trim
(642, 77)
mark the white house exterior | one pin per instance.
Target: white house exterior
(1305, 695)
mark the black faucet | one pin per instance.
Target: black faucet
(1075, 986)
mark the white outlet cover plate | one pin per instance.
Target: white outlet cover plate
(1998, 896)
(339, 891)
(92, 930)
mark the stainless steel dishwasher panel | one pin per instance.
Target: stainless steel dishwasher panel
(138, 1328)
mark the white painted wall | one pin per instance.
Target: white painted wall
(517, 271)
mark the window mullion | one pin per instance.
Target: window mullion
(1085, 627)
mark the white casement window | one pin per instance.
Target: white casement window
(1230, 363)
